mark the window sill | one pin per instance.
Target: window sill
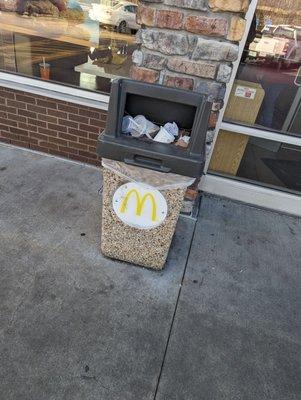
(261, 133)
(253, 194)
(54, 90)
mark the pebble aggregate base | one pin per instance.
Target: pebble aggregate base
(147, 248)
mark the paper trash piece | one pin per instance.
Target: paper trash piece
(144, 127)
(128, 124)
(172, 128)
(245, 92)
(139, 206)
(183, 141)
(163, 136)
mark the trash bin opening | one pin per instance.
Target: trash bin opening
(160, 111)
(160, 120)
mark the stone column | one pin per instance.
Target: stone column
(190, 44)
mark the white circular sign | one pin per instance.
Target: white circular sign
(139, 206)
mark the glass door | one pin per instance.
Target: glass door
(260, 138)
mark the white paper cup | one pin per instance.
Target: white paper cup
(128, 124)
(163, 136)
(172, 128)
(144, 127)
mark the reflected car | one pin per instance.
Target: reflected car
(122, 16)
(278, 43)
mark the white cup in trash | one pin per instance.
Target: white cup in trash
(128, 124)
(144, 127)
(163, 136)
(172, 128)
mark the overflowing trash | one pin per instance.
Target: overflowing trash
(140, 126)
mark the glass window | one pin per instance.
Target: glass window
(265, 162)
(130, 9)
(84, 43)
(267, 95)
(271, 64)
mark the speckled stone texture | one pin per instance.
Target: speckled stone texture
(147, 248)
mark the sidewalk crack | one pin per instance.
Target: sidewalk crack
(175, 310)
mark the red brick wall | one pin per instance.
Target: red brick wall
(52, 126)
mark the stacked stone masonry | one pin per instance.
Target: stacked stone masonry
(49, 125)
(190, 44)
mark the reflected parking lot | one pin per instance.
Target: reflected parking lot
(79, 48)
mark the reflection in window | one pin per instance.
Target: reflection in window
(266, 94)
(83, 43)
(272, 60)
(273, 164)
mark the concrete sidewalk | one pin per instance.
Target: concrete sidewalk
(222, 321)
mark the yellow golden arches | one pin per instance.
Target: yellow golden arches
(140, 203)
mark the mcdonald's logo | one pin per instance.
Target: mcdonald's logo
(139, 206)
(140, 201)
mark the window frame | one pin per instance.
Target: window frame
(54, 90)
(236, 189)
(129, 8)
(240, 127)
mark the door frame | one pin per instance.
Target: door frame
(236, 189)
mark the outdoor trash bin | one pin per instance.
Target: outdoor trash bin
(139, 213)
(159, 105)
(152, 149)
